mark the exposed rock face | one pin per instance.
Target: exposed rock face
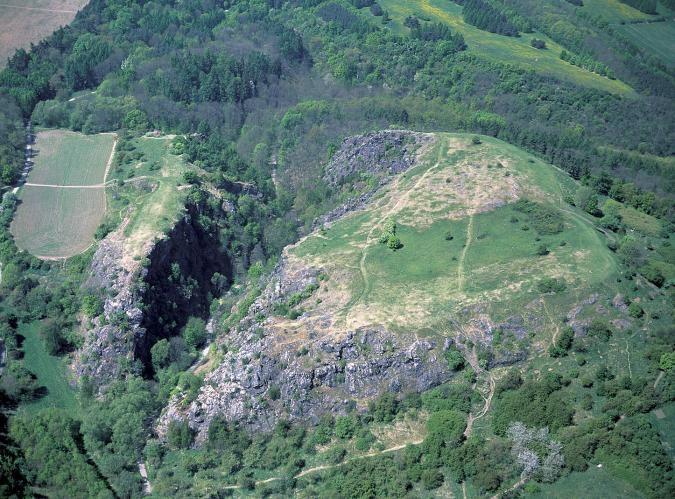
(381, 154)
(109, 345)
(143, 304)
(267, 374)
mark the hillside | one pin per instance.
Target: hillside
(338, 248)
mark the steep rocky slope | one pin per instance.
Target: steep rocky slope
(147, 297)
(344, 319)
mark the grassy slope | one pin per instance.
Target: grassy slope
(50, 371)
(149, 212)
(517, 51)
(431, 278)
(614, 11)
(596, 482)
(657, 38)
(70, 158)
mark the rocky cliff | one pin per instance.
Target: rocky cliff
(146, 297)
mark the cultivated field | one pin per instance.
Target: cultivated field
(64, 200)
(23, 22)
(70, 158)
(500, 48)
(465, 245)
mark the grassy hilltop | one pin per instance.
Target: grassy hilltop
(467, 242)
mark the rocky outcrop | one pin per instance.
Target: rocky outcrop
(269, 372)
(379, 154)
(147, 297)
(109, 344)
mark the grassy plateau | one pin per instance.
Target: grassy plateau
(468, 255)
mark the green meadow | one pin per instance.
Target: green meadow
(464, 242)
(514, 50)
(50, 372)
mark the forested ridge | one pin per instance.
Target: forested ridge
(261, 93)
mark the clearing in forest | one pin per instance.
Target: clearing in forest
(63, 201)
(515, 50)
(469, 253)
(23, 22)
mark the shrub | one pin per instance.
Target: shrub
(600, 329)
(551, 285)
(538, 44)
(475, 140)
(542, 250)
(635, 310)
(194, 332)
(432, 479)
(179, 434)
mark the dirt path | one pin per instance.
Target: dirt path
(324, 467)
(659, 378)
(400, 203)
(556, 333)
(515, 486)
(110, 160)
(460, 267)
(147, 486)
(88, 186)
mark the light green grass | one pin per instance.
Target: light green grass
(614, 11)
(55, 222)
(633, 219)
(70, 158)
(512, 50)
(591, 484)
(149, 201)
(656, 38)
(431, 278)
(666, 427)
(50, 372)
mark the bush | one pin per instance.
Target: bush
(635, 310)
(194, 332)
(599, 329)
(179, 434)
(551, 285)
(542, 250)
(432, 479)
(538, 44)
(475, 140)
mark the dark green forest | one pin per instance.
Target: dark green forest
(254, 88)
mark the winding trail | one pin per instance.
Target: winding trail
(460, 267)
(556, 333)
(324, 467)
(402, 200)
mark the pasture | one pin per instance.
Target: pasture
(517, 51)
(63, 201)
(465, 244)
(614, 11)
(50, 372)
(148, 192)
(23, 22)
(657, 38)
